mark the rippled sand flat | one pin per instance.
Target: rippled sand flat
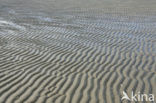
(76, 51)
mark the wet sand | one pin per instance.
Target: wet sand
(76, 51)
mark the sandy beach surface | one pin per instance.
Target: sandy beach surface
(55, 51)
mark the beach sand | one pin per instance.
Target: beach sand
(77, 51)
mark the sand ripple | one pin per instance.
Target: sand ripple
(75, 56)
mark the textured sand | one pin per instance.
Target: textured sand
(76, 51)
